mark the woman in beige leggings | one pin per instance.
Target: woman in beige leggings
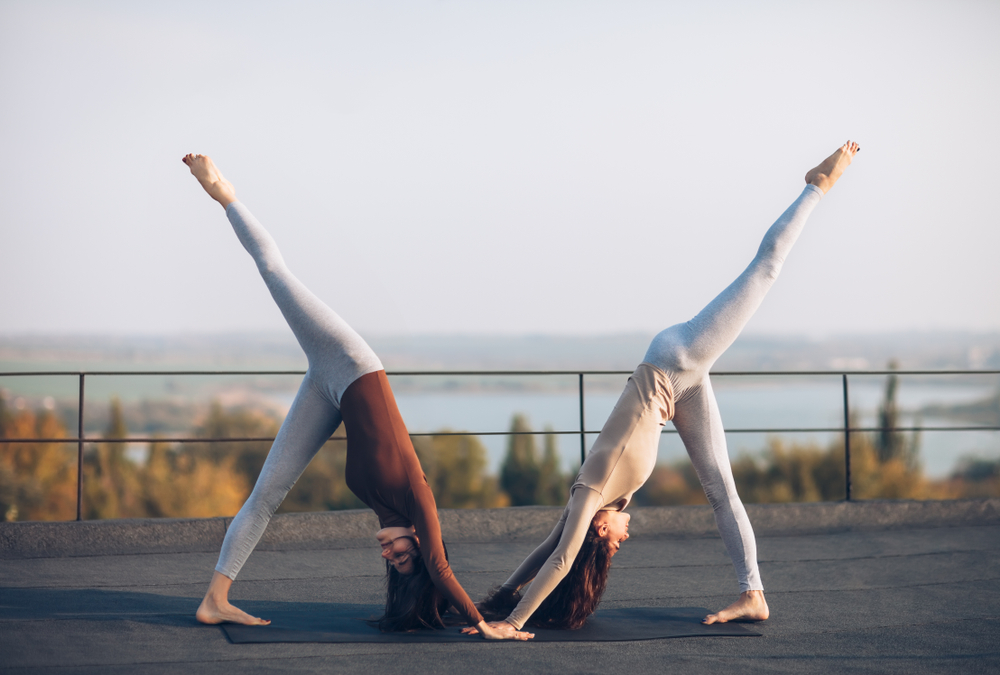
(569, 569)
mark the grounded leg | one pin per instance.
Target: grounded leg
(687, 351)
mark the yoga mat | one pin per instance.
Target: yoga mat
(345, 623)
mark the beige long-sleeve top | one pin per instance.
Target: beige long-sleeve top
(622, 459)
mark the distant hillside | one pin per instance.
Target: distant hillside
(620, 352)
(985, 412)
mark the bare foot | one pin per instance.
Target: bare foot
(211, 611)
(217, 187)
(215, 608)
(829, 170)
(750, 607)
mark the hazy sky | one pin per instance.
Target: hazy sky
(554, 167)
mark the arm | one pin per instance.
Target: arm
(583, 505)
(428, 530)
(527, 570)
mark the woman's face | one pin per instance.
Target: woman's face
(399, 547)
(613, 527)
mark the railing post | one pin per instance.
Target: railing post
(583, 435)
(79, 455)
(847, 442)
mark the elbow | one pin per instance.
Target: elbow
(561, 565)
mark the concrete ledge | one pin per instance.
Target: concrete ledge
(103, 537)
(348, 529)
(791, 519)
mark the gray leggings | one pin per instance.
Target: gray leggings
(337, 356)
(687, 351)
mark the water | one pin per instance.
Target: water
(464, 404)
(744, 405)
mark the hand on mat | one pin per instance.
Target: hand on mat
(497, 630)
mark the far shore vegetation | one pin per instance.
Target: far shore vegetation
(200, 479)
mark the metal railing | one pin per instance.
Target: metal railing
(582, 432)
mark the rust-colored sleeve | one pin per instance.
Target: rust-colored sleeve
(428, 529)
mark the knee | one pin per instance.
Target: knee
(721, 493)
(269, 267)
(768, 265)
(265, 499)
(668, 351)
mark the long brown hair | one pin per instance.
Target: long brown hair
(412, 601)
(573, 600)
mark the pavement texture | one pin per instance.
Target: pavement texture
(882, 587)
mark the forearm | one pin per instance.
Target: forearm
(527, 570)
(583, 505)
(428, 531)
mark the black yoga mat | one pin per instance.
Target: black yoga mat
(346, 623)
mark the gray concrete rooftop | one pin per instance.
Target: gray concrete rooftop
(886, 587)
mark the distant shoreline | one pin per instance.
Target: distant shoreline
(941, 349)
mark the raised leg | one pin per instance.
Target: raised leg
(688, 350)
(337, 354)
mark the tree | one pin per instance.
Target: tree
(323, 486)
(182, 483)
(671, 486)
(553, 486)
(238, 423)
(455, 467)
(37, 480)
(111, 487)
(891, 444)
(520, 473)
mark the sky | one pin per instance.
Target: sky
(514, 168)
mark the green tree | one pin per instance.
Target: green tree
(553, 485)
(520, 472)
(111, 487)
(322, 485)
(976, 477)
(889, 442)
(238, 423)
(673, 485)
(455, 467)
